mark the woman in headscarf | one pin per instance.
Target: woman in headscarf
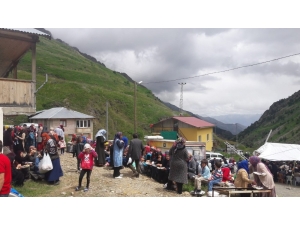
(100, 148)
(84, 141)
(242, 177)
(39, 138)
(8, 138)
(166, 167)
(19, 140)
(263, 177)
(118, 147)
(178, 165)
(51, 148)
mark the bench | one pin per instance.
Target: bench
(234, 190)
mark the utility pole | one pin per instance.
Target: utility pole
(107, 120)
(134, 107)
(181, 97)
(236, 135)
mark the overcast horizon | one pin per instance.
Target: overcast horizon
(158, 55)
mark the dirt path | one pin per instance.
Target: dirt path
(104, 185)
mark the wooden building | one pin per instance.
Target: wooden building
(17, 96)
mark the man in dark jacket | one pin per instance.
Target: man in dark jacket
(135, 152)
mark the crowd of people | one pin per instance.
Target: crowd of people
(25, 148)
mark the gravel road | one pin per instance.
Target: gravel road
(104, 185)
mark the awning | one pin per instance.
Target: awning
(279, 152)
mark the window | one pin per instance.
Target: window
(83, 123)
(63, 122)
(199, 138)
(207, 137)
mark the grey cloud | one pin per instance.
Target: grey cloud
(166, 54)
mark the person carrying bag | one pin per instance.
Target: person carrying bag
(45, 164)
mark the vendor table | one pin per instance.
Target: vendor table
(234, 190)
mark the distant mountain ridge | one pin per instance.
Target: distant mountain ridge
(232, 128)
(244, 119)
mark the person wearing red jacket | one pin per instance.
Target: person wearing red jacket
(87, 161)
(5, 174)
(226, 174)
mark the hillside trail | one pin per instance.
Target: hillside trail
(104, 185)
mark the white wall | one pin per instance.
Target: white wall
(1, 125)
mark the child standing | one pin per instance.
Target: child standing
(87, 161)
(62, 145)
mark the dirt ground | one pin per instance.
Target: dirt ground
(104, 185)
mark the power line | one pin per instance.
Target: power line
(222, 71)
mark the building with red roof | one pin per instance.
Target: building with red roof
(190, 128)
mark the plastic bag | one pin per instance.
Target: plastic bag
(129, 160)
(216, 194)
(14, 193)
(45, 164)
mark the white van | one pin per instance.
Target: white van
(211, 155)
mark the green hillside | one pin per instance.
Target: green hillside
(283, 117)
(83, 85)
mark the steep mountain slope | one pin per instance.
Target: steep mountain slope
(283, 117)
(85, 85)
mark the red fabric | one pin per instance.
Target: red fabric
(5, 168)
(226, 174)
(40, 146)
(147, 149)
(92, 155)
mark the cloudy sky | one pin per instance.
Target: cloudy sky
(158, 56)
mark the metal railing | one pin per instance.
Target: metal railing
(232, 148)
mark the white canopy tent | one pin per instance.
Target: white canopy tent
(279, 152)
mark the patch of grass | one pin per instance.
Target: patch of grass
(15, 120)
(190, 186)
(36, 189)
